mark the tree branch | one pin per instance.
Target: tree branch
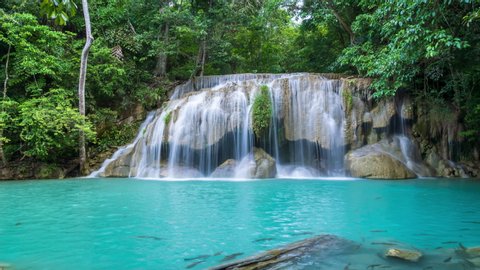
(345, 26)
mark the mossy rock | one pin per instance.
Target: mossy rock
(49, 171)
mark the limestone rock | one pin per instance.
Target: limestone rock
(265, 165)
(226, 169)
(120, 167)
(257, 164)
(472, 252)
(371, 162)
(382, 113)
(475, 261)
(406, 110)
(404, 254)
(49, 171)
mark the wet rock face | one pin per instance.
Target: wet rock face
(382, 113)
(376, 165)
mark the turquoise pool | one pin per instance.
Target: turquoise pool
(142, 224)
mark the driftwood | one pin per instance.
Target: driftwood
(283, 256)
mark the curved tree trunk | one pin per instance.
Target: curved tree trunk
(81, 85)
(2, 155)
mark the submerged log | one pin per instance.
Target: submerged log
(285, 255)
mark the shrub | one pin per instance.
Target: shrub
(261, 112)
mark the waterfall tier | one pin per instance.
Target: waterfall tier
(205, 130)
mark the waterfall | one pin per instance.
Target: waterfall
(209, 121)
(122, 150)
(320, 125)
(410, 154)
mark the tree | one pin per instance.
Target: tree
(60, 12)
(81, 84)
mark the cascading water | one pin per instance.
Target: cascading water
(205, 130)
(199, 130)
(125, 149)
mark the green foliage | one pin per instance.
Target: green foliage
(167, 118)
(400, 40)
(431, 48)
(49, 125)
(106, 74)
(116, 136)
(7, 111)
(38, 53)
(261, 112)
(58, 10)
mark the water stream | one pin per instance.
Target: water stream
(209, 121)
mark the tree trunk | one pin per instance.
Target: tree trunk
(200, 62)
(161, 67)
(2, 154)
(204, 53)
(342, 22)
(81, 85)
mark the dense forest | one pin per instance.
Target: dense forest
(142, 49)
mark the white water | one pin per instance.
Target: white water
(209, 122)
(122, 150)
(210, 126)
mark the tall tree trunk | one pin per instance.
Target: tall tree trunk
(200, 61)
(81, 85)
(161, 67)
(2, 154)
(204, 53)
(342, 22)
(199, 68)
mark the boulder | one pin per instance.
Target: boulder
(475, 261)
(226, 169)
(404, 254)
(372, 162)
(257, 164)
(472, 252)
(49, 171)
(265, 165)
(119, 167)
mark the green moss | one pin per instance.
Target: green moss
(49, 171)
(261, 112)
(347, 100)
(167, 118)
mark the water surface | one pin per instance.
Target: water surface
(141, 224)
